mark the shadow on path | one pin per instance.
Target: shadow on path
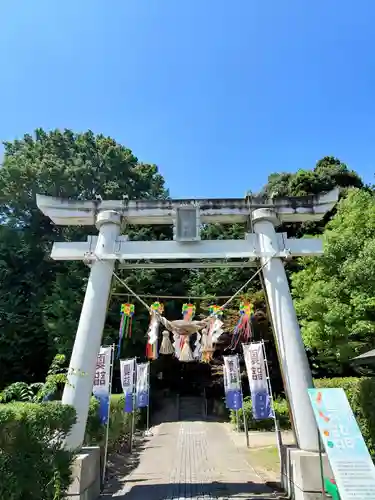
(214, 490)
(121, 464)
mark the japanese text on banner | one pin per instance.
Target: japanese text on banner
(142, 385)
(102, 371)
(256, 372)
(127, 371)
(232, 383)
(102, 382)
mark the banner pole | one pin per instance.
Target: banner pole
(243, 408)
(108, 413)
(148, 401)
(133, 405)
(277, 428)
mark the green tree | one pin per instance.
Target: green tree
(40, 299)
(335, 294)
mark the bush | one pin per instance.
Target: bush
(119, 424)
(281, 410)
(33, 464)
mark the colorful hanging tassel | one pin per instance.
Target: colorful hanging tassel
(188, 311)
(157, 307)
(242, 330)
(125, 330)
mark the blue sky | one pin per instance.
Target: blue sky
(218, 93)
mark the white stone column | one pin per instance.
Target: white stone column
(292, 352)
(78, 390)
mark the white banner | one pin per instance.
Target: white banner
(127, 369)
(102, 372)
(255, 367)
(256, 373)
(142, 385)
(142, 377)
(232, 372)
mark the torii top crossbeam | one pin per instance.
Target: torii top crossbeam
(186, 217)
(224, 211)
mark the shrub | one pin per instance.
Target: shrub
(20, 391)
(33, 464)
(119, 424)
(281, 410)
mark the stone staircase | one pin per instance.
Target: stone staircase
(191, 408)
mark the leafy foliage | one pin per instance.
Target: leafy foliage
(33, 463)
(281, 410)
(39, 299)
(335, 295)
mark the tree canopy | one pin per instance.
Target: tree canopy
(40, 300)
(335, 294)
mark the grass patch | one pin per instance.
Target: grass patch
(265, 458)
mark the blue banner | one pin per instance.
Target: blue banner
(232, 383)
(102, 382)
(127, 370)
(262, 407)
(142, 399)
(142, 385)
(103, 407)
(256, 372)
(128, 406)
(233, 400)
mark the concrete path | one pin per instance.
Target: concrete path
(190, 460)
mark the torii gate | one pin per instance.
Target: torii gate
(187, 216)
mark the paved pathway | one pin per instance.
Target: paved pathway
(191, 460)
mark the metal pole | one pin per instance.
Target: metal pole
(277, 428)
(243, 410)
(321, 466)
(108, 414)
(239, 382)
(133, 405)
(245, 427)
(148, 402)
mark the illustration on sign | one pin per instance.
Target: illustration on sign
(347, 453)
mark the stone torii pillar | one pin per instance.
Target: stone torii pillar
(186, 216)
(78, 390)
(292, 354)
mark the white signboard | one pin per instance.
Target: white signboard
(350, 460)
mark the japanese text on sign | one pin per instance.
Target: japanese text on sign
(348, 455)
